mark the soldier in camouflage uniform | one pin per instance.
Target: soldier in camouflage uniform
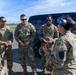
(2, 52)
(63, 56)
(24, 35)
(6, 38)
(48, 34)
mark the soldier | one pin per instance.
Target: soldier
(24, 35)
(2, 52)
(48, 34)
(63, 56)
(6, 38)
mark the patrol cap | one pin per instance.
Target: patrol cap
(61, 21)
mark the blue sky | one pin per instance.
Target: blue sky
(12, 9)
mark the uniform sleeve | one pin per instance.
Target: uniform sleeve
(16, 34)
(32, 34)
(58, 56)
(41, 33)
(2, 42)
(56, 33)
(10, 35)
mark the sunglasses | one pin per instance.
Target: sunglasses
(3, 21)
(23, 19)
(48, 20)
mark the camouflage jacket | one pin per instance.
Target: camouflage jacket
(47, 32)
(25, 33)
(64, 52)
(5, 36)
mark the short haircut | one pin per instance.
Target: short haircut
(22, 15)
(2, 17)
(49, 16)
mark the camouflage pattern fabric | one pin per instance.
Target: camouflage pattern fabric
(22, 53)
(25, 33)
(9, 57)
(4, 71)
(63, 56)
(6, 36)
(1, 58)
(47, 32)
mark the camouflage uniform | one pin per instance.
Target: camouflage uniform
(25, 33)
(63, 56)
(47, 32)
(6, 36)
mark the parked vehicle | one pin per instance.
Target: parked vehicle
(38, 20)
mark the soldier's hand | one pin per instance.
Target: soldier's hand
(9, 43)
(50, 41)
(6, 44)
(44, 41)
(44, 48)
(22, 44)
(26, 43)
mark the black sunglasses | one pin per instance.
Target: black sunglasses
(48, 20)
(3, 21)
(23, 19)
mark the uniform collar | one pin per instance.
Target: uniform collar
(24, 24)
(48, 25)
(2, 26)
(66, 33)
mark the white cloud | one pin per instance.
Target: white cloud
(50, 6)
(35, 7)
(45, 6)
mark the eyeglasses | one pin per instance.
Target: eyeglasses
(23, 19)
(3, 21)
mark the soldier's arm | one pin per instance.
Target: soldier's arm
(32, 34)
(10, 35)
(41, 34)
(16, 34)
(2, 42)
(56, 33)
(58, 56)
